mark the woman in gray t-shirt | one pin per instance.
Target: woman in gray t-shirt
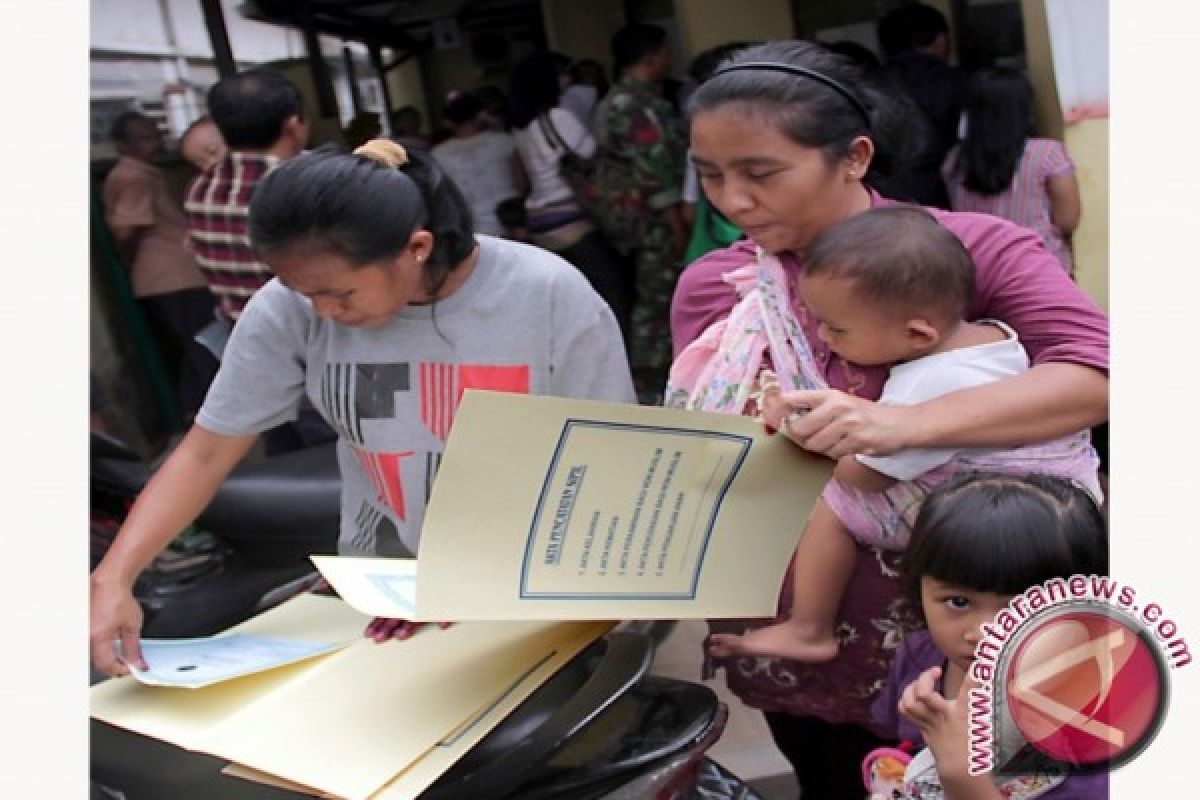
(384, 309)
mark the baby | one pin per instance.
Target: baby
(202, 144)
(892, 286)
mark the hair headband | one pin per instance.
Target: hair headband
(820, 77)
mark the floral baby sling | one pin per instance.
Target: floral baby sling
(719, 371)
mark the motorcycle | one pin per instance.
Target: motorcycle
(247, 551)
(599, 729)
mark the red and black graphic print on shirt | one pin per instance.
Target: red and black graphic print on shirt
(354, 393)
(442, 387)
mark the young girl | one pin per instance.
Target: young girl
(979, 540)
(891, 286)
(384, 308)
(1000, 169)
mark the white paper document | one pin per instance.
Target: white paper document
(193, 663)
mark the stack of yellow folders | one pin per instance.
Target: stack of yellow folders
(367, 720)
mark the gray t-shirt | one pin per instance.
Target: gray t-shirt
(524, 321)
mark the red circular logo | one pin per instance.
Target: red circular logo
(1086, 688)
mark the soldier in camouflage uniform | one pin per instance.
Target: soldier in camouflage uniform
(640, 178)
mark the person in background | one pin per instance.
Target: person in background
(1000, 169)
(640, 177)
(496, 114)
(385, 308)
(149, 228)
(710, 229)
(362, 128)
(201, 144)
(260, 115)
(915, 39)
(979, 541)
(483, 163)
(406, 128)
(786, 151)
(584, 84)
(554, 218)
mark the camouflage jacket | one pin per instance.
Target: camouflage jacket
(640, 139)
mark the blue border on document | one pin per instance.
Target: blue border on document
(526, 594)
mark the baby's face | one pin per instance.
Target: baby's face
(856, 328)
(203, 147)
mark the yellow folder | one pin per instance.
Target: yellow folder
(348, 723)
(552, 508)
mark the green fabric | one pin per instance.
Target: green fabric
(149, 354)
(710, 231)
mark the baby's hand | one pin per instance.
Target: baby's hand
(771, 407)
(775, 410)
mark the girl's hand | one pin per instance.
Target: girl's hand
(837, 424)
(944, 725)
(938, 718)
(381, 628)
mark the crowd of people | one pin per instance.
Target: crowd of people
(945, 361)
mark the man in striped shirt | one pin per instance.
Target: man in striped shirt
(261, 117)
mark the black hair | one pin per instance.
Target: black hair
(634, 42)
(251, 107)
(590, 72)
(909, 27)
(533, 86)
(465, 107)
(1002, 534)
(412, 112)
(495, 103)
(120, 126)
(362, 210)
(998, 120)
(705, 64)
(898, 255)
(811, 113)
(859, 55)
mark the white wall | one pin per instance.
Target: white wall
(136, 26)
(132, 56)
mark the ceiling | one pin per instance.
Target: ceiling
(399, 24)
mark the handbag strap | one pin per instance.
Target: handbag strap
(550, 131)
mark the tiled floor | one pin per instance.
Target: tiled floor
(745, 748)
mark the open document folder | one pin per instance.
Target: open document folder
(550, 508)
(370, 720)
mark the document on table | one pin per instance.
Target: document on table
(551, 508)
(193, 663)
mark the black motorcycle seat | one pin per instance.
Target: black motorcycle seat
(287, 497)
(271, 510)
